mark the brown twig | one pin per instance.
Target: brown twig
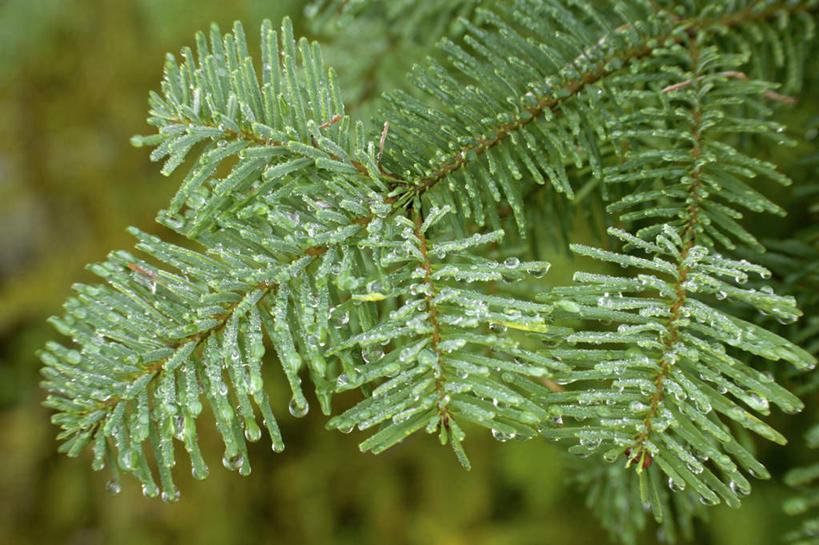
(136, 268)
(326, 124)
(432, 317)
(552, 385)
(381, 143)
(784, 99)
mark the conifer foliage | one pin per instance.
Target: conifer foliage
(396, 256)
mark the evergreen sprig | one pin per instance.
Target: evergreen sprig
(456, 360)
(375, 260)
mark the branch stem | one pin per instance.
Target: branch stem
(638, 452)
(432, 313)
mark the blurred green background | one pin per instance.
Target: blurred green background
(74, 77)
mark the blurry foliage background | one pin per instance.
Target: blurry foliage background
(74, 77)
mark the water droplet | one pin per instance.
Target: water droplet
(113, 487)
(786, 320)
(405, 355)
(296, 410)
(127, 460)
(346, 429)
(696, 469)
(170, 498)
(233, 463)
(590, 443)
(179, 426)
(757, 402)
(706, 501)
(511, 262)
(736, 488)
(497, 328)
(253, 433)
(502, 436)
(149, 491)
(538, 272)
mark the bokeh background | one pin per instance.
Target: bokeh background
(74, 77)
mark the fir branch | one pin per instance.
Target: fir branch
(342, 249)
(593, 65)
(638, 451)
(677, 342)
(451, 368)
